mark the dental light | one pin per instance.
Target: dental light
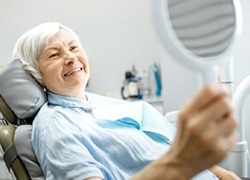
(201, 34)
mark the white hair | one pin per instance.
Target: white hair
(29, 46)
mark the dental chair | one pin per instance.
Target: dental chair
(20, 99)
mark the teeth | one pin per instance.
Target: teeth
(71, 72)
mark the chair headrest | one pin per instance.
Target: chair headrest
(21, 92)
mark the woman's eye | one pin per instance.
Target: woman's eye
(53, 55)
(73, 48)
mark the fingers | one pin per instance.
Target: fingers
(204, 98)
(214, 113)
(206, 128)
(222, 146)
(214, 118)
(227, 126)
(226, 136)
(210, 104)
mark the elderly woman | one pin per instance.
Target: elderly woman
(73, 141)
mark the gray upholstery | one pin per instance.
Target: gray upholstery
(7, 140)
(20, 91)
(23, 96)
(25, 151)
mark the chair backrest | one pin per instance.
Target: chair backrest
(16, 144)
(20, 99)
(7, 134)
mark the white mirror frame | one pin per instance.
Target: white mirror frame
(207, 66)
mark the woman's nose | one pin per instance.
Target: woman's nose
(69, 58)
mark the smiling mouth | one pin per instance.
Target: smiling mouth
(72, 72)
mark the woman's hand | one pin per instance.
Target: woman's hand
(224, 174)
(205, 135)
(205, 130)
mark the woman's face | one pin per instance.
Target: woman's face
(64, 66)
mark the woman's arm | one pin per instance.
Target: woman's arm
(205, 135)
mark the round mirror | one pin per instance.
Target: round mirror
(198, 33)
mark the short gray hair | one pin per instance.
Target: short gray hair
(29, 46)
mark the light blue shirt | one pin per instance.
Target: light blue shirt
(113, 141)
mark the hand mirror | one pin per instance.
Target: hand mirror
(200, 34)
